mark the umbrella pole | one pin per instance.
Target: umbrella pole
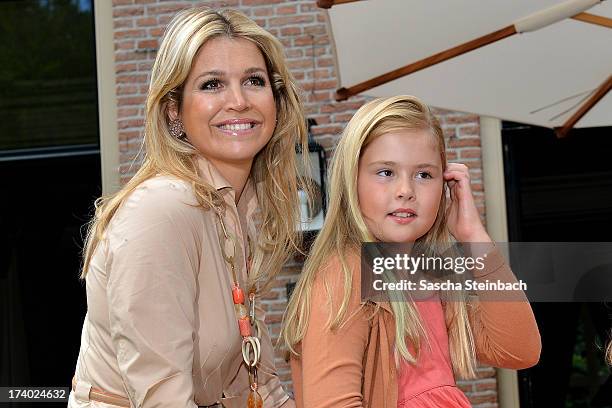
(592, 101)
(326, 4)
(345, 93)
(532, 22)
(594, 19)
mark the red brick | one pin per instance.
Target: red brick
(303, 40)
(125, 135)
(264, 12)
(145, 66)
(319, 74)
(130, 100)
(331, 84)
(469, 153)
(286, 10)
(327, 129)
(308, 7)
(319, 96)
(130, 34)
(164, 19)
(483, 398)
(316, 51)
(127, 11)
(325, 62)
(148, 44)
(274, 318)
(260, 2)
(271, 295)
(489, 385)
(294, 53)
(122, 2)
(451, 155)
(449, 132)
(465, 386)
(341, 106)
(299, 64)
(131, 79)
(172, 8)
(485, 372)
(477, 186)
(321, 120)
(125, 67)
(287, 20)
(156, 32)
(464, 142)
(460, 119)
(318, 29)
(123, 23)
(125, 45)
(130, 123)
(146, 22)
(127, 56)
(291, 31)
(345, 117)
(127, 112)
(125, 89)
(473, 130)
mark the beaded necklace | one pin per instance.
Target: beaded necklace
(251, 347)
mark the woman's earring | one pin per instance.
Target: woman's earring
(177, 130)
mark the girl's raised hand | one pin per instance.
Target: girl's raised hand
(463, 218)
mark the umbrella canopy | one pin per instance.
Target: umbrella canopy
(551, 70)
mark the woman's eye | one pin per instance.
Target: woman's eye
(424, 174)
(385, 173)
(256, 81)
(211, 85)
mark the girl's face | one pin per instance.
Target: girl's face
(228, 109)
(399, 184)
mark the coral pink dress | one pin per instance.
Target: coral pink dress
(430, 384)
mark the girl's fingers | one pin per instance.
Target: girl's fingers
(456, 175)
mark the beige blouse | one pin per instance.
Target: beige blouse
(161, 328)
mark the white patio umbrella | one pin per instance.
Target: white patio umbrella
(541, 62)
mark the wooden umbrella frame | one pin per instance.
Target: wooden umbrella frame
(345, 93)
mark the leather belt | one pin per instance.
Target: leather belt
(96, 394)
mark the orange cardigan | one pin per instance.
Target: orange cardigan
(354, 365)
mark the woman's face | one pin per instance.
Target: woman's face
(228, 109)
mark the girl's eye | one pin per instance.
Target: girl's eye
(385, 173)
(256, 81)
(424, 174)
(211, 85)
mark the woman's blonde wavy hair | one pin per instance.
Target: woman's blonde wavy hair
(345, 229)
(274, 170)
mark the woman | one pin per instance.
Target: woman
(175, 261)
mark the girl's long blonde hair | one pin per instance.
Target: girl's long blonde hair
(274, 170)
(345, 229)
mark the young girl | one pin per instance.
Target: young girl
(388, 184)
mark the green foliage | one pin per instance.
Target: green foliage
(45, 40)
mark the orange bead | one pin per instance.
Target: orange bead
(245, 327)
(254, 400)
(238, 295)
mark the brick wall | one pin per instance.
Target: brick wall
(302, 28)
